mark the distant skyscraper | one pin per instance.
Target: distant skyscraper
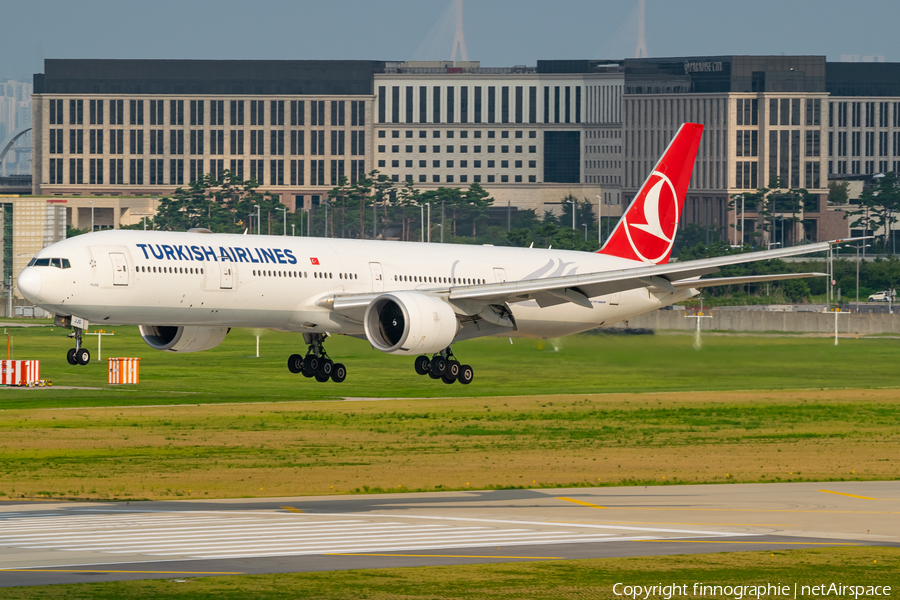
(15, 112)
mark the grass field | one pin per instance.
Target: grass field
(577, 364)
(569, 414)
(298, 448)
(550, 580)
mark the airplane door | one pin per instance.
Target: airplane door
(377, 277)
(499, 274)
(226, 275)
(120, 268)
(614, 299)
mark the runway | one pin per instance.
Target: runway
(43, 543)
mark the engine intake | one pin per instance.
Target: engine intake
(410, 323)
(182, 339)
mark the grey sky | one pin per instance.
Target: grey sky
(497, 32)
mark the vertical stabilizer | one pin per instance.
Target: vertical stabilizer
(647, 229)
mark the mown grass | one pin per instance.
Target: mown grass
(551, 580)
(298, 448)
(577, 364)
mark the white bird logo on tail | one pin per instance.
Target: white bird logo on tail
(651, 213)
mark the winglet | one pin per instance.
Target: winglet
(647, 229)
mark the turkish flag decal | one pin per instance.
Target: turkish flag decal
(314, 261)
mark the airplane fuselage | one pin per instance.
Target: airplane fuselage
(281, 282)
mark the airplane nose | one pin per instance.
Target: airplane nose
(29, 283)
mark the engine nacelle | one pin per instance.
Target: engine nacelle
(183, 339)
(410, 323)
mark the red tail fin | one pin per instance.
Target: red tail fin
(647, 229)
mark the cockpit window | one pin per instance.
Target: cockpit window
(59, 263)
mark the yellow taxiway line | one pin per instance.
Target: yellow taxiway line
(849, 495)
(732, 542)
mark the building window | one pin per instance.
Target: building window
(56, 169)
(216, 112)
(197, 142)
(297, 172)
(176, 141)
(357, 113)
(276, 115)
(298, 143)
(156, 141)
(237, 141)
(237, 112)
(136, 171)
(76, 113)
(276, 172)
(96, 109)
(257, 113)
(96, 170)
(136, 141)
(156, 171)
(176, 171)
(276, 143)
(116, 171)
(256, 142)
(317, 142)
(56, 112)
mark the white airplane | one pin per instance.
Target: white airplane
(187, 289)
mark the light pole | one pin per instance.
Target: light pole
(600, 220)
(585, 230)
(91, 202)
(858, 248)
(574, 204)
(422, 221)
(283, 210)
(293, 230)
(442, 221)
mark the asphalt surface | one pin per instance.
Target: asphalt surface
(44, 543)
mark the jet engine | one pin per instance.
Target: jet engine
(182, 339)
(410, 323)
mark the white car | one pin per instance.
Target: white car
(884, 296)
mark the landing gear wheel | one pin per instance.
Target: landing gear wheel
(466, 374)
(83, 356)
(338, 373)
(295, 363)
(311, 365)
(448, 378)
(70, 357)
(452, 370)
(324, 372)
(423, 365)
(438, 367)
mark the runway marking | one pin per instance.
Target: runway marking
(850, 495)
(756, 510)
(678, 523)
(736, 542)
(241, 534)
(579, 502)
(444, 555)
(292, 509)
(26, 570)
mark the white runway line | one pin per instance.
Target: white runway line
(234, 534)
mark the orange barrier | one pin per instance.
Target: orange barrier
(20, 372)
(123, 370)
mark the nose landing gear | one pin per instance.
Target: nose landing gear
(316, 363)
(78, 355)
(445, 367)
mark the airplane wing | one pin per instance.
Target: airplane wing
(669, 276)
(579, 288)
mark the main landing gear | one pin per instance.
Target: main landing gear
(445, 367)
(78, 355)
(316, 363)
